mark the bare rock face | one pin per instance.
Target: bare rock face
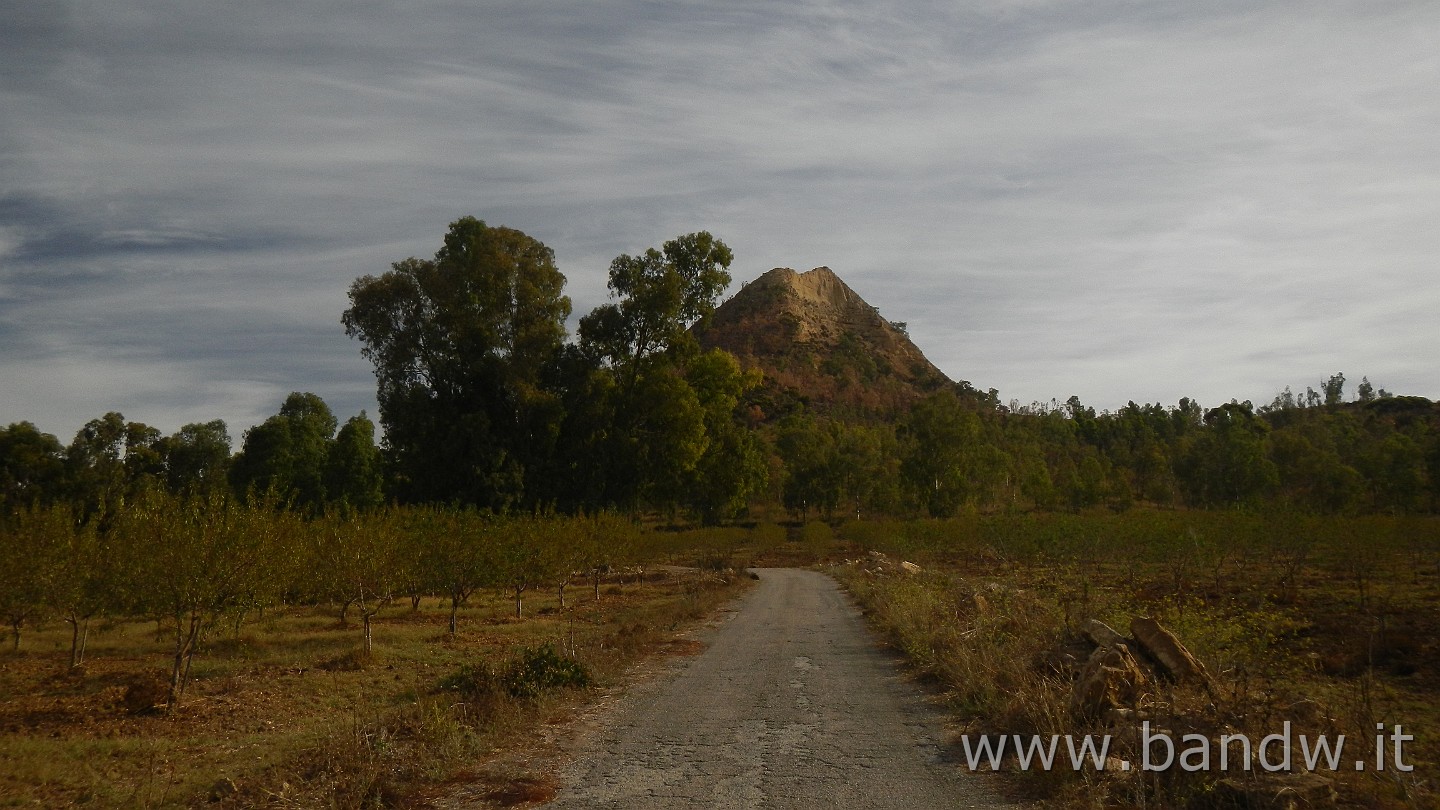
(1110, 679)
(817, 341)
(1101, 634)
(1162, 645)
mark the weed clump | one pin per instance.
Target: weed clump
(541, 669)
(531, 673)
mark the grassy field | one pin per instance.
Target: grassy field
(1330, 624)
(286, 710)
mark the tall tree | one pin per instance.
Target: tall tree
(197, 457)
(661, 294)
(942, 462)
(1227, 464)
(32, 467)
(352, 469)
(460, 344)
(287, 453)
(652, 429)
(95, 464)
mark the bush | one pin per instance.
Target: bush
(540, 669)
(534, 671)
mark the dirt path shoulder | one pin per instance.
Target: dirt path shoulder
(792, 705)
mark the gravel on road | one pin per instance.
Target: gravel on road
(793, 705)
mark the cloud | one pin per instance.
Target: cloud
(1118, 200)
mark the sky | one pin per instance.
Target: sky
(1112, 199)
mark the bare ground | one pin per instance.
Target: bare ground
(792, 704)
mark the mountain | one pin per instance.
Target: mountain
(818, 343)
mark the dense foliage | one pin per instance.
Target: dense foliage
(190, 561)
(487, 402)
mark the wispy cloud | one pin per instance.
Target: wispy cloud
(1118, 200)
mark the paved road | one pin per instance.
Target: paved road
(792, 705)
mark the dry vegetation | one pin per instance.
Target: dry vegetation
(1327, 623)
(285, 708)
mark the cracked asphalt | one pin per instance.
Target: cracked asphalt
(792, 705)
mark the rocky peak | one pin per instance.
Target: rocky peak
(817, 341)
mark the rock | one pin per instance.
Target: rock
(223, 789)
(1116, 765)
(1278, 791)
(145, 693)
(1120, 716)
(1102, 634)
(1110, 678)
(909, 567)
(1303, 711)
(1064, 659)
(1162, 645)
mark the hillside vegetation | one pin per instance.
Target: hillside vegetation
(145, 570)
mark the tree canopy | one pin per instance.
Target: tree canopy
(460, 344)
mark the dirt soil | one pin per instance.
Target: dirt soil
(792, 703)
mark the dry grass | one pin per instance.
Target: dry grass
(1330, 625)
(286, 709)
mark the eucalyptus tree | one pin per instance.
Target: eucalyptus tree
(460, 344)
(661, 294)
(197, 457)
(353, 466)
(287, 453)
(650, 432)
(32, 467)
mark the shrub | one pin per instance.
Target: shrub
(534, 671)
(540, 669)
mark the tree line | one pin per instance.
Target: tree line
(961, 450)
(515, 455)
(487, 402)
(197, 561)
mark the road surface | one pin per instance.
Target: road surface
(793, 705)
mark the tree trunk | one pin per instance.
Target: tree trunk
(595, 574)
(84, 640)
(560, 592)
(79, 635)
(366, 618)
(184, 652)
(415, 602)
(519, 589)
(454, 608)
(15, 627)
(345, 611)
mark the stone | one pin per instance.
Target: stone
(146, 693)
(223, 789)
(1102, 635)
(1065, 658)
(1117, 765)
(1304, 711)
(1278, 791)
(1172, 656)
(1110, 679)
(909, 567)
